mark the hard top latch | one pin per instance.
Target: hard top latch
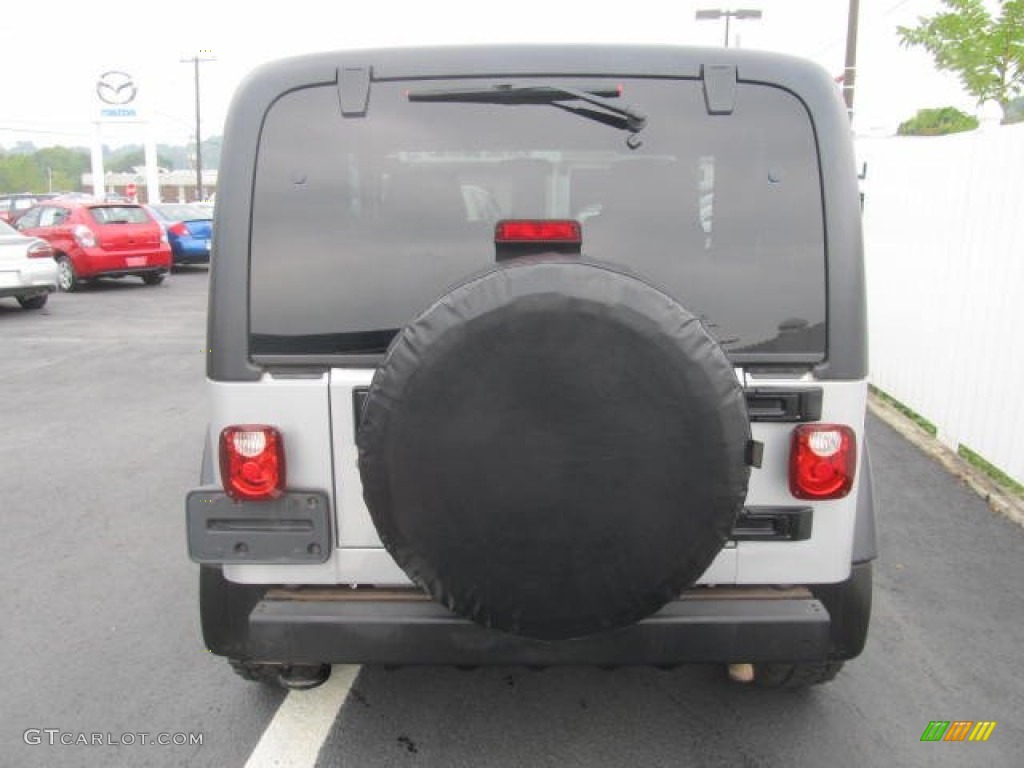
(719, 88)
(354, 90)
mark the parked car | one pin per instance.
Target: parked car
(28, 272)
(13, 206)
(93, 239)
(189, 230)
(539, 355)
(206, 206)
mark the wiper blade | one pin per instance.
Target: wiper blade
(632, 119)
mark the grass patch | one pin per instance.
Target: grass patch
(994, 472)
(911, 414)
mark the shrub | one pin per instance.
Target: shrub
(937, 122)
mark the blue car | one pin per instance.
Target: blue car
(189, 231)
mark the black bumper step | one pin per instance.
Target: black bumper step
(367, 631)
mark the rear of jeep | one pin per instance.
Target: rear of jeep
(536, 356)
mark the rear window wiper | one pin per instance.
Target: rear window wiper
(616, 115)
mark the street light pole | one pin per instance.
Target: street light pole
(196, 60)
(718, 13)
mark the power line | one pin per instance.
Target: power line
(43, 131)
(895, 8)
(842, 40)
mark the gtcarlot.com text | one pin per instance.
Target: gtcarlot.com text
(55, 737)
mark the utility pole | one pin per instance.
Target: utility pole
(718, 13)
(199, 58)
(850, 73)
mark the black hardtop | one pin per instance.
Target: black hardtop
(542, 60)
(355, 71)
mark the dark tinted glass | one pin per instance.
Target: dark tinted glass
(119, 214)
(179, 212)
(359, 224)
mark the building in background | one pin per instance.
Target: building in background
(175, 186)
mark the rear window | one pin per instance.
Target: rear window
(177, 212)
(119, 214)
(359, 224)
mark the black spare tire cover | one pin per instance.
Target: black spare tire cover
(554, 449)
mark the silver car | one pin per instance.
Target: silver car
(28, 271)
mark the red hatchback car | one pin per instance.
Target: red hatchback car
(97, 239)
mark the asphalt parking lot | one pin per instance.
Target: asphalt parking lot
(103, 414)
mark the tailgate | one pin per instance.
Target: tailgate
(124, 228)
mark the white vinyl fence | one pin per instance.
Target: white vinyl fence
(944, 245)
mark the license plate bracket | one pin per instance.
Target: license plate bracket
(292, 529)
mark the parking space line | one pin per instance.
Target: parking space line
(302, 722)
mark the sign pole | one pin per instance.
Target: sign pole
(152, 171)
(98, 185)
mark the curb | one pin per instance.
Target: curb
(997, 498)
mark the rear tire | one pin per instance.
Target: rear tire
(254, 672)
(153, 278)
(849, 607)
(33, 302)
(67, 279)
(294, 677)
(795, 676)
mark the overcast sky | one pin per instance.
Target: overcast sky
(52, 98)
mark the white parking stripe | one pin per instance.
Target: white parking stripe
(298, 730)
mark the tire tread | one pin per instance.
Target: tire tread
(796, 675)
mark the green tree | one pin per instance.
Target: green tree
(56, 168)
(62, 168)
(986, 53)
(124, 161)
(19, 173)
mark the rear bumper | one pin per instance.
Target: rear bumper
(340, 625)
(190, 251)
(422, 632)
(28, 277)
(94, 262)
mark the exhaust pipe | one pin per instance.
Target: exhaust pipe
(741, 673)
(303, 677)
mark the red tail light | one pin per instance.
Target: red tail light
(252, 462)
(538, 231)
(179, 229)
(822, 461)
(40, 250)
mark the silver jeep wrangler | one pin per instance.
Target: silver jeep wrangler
(536, 355)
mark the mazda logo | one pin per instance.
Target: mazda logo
(116, 88)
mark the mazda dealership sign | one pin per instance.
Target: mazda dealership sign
(117, 93)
